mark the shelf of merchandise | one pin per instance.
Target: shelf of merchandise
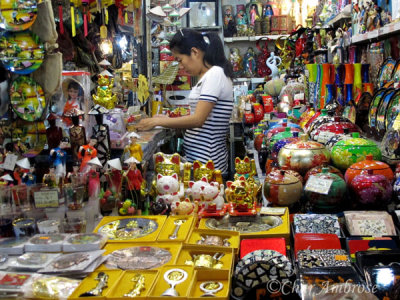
(380, 33)
(253, 38)
(345, 14)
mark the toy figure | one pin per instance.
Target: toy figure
(236, 61)
(245, 168)
(53, 133)
(249, 63)
(74, 98)
(87, 152)
(104, 96)
(59, 158)
(268, 12)
(253, 14)
(102, 134)
(227, 16)
(30, 177)
(134, 179)
(273, 62)
(241, 197)
(77, 132)
(182, 208)
(206, 170)
(50, 179)
(241, 23)
(114, 176)
(22, 167)
(94, 178)
(169, 189)
(134, 149)
(75, 177)
(6, 180)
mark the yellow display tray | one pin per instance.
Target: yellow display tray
(161, 285)
(125, 284)
(189, 251)
(283, 230)
(169, 228)
(173, 248)
(89, 283)
(231, 236)
(204, 275)
(151, 237)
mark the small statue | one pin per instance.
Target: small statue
(134, 149)
(268, 11)
(227, 16)
(59, 158)
(245, 167)
(253, 14)
(53, 133)
(102, 134)
(75, 177)
(50, 179)
(236, 61)
(105, 96)
(94, 178)
(182, 208)
(249, 63)
(169, 189)
(241, 197)
(241, 23)
(29, 178)
(87, 152)
(273, 62)
(134, 179)
(206, 170)
(22, 167)
(77, 132)
(74, 98)
(114, 176)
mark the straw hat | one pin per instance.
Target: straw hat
(7, 177)
(133, 134)
(131, 160)
(24, 163)
(95, 161)
(115, 163)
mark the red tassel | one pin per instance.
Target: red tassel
(85, 31)
(60, 16)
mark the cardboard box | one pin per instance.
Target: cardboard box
(151, 237)
(125, 284)
(183, 232)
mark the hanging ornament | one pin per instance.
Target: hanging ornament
(60, 16)
(73, 29)
(85, 6)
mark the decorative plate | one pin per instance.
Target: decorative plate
(393, 109)
(350, 113)
(17, 15)
(385, 73)
(390, 145)
(396, 72)
(27, 98)
(70, 260)
(128, 229)
(85, 238)
(245, 224)
(46, 239)
(32, 258)
(138, 258)
(21, 52)
(374, 107)
(382, 108)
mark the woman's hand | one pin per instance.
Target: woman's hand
(150, 123)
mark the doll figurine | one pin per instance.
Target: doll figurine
(94, 178)
(241, 23)
(6, 180)
(253, 14)
(268, 10)
(114, 176)
(50, 179)
(134, 179)
(102, 134)
(74, 100)
(249, 63)
(87, 152)
(22, 167)
(236, 61)
(76, 178)
(53, 133)
(30, 177)
(134, 149)
(59, 158)
(77, 132)
(227, 16)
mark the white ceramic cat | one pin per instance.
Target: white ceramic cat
(213, 193)
(195, 189)
(169, 188)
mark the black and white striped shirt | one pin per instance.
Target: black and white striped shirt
(209, 141)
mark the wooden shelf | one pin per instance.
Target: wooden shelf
(376, 34)
(345, 14)
(253, 38)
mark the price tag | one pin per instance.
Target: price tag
(46, 199)
(9, 162)
(273, 211)
(318, 185)
(299, 96)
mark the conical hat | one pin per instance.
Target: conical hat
(7, 177)
(24, 163)
(104, 62)
(133, 134)
(131, 160)
(95, 161)
(115, 163)
(106, 73)
(98, 110)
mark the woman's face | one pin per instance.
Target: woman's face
(192, 63)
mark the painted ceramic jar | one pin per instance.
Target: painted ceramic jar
(369, 163)
(306, 116)
(282, 188)
(348, 152)
(318, 169)
(281, 135)
(370, 188)
(396, 188)
(311, 120)
(334, 196)
(323, 120)
(287, 171)
(337, 138)
(338, 125)
(284, 127)
(303, 155)
(277, 146)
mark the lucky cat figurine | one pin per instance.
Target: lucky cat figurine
(169, 188)
(182, 208)
(213, 196)
(195, 189)
(245, 167)
(207, 170)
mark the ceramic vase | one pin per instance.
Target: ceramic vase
(365, 73)
(335, 195)
(325, 79)
(348, 90)
(349, 73)
(371, 189)
(312, 83)
(330, 94)
(282, 188)
(357, 83)
(368, 88)
(339, 80)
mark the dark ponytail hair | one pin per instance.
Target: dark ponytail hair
(210, 43)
